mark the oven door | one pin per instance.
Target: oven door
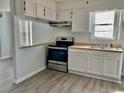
(58, 54)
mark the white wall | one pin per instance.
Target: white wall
(4, 5)
(41, 33)
(33, 59)
(93, 5)
(5, 37)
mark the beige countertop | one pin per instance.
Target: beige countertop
(88, 47)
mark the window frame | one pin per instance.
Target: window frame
(116, 28)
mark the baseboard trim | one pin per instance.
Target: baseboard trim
(28, 76)
(6, 57)
(96, 77)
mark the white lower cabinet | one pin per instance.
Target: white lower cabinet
(98, 64)
(94, 64)
(77, 62)
(111, 67)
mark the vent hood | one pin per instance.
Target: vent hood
(61, 24)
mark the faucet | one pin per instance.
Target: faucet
(104, 46)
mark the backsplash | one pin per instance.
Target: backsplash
(85, 37)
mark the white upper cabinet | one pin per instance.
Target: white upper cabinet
(80, 20)
(64, 15)
(45, 9)
(29, 8)
(40, 11)
(44, 12)
(48, 14)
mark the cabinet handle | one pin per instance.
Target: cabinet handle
(44, 10)
(24, 3)
(24, 8)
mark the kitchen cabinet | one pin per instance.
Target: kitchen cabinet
(30, 8)
(77, 62)
(64, 15)
(111, 67)
(41, 11)
(48, 14)
(94, 64)
(45, 9)
(80, 20)
(45, 12)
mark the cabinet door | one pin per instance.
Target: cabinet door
(77, 62)
(48, 13)
(40, 11)
(30, 9)
(95, 64)
(64, 15)
(111, 67)
(80, 20)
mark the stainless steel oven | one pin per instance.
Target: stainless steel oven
(58, 54)
(58, 58)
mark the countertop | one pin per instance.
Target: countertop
(87, 47)
(42, 44)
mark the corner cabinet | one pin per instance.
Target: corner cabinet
(99, 64)
(80, 20)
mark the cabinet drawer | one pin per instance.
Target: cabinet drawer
(91, 52)
(111, 54)
(77, 51)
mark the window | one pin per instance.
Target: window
(102, 24)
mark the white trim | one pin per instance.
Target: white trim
(97, 77)
(17, 81)
(5, 57)
(122, 74)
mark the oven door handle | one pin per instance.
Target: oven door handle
(61, 48)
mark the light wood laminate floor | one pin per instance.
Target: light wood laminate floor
(57, 82)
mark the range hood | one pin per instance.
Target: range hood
(61, 24)
(50, 22)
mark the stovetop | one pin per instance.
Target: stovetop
(63, 42)
(54, 45)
